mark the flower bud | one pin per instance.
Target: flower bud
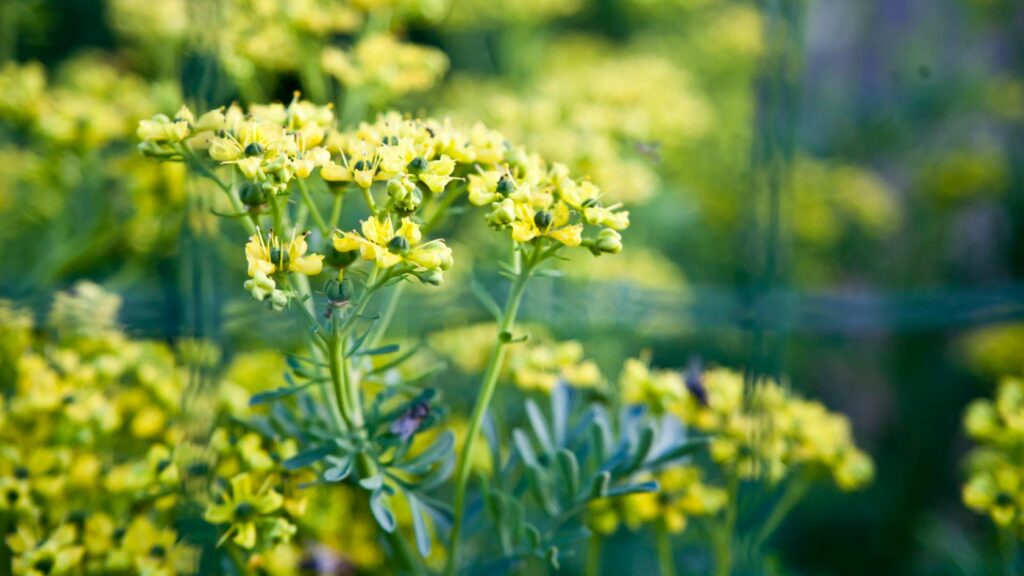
(252, 194)
(338, 291)
(505, 185)
(608, 241)
(417, 165)
(253, 149)
(398, 245)
(543, 219)
(406, 196)
(433, 277)
(503, 213)
(278, 300)
(260, 286)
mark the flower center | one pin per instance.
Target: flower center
(244, 512)
(398, 245)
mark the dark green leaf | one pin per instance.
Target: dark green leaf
(632, 489)
(389, 349)
(307, 458)
(540, 427)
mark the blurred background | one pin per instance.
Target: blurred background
(827, 191)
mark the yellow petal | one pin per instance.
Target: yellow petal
(410, 231)
(246, 535)
(332, 172)
(523, 231)
(378, 231)
(570, 235)
(347, 242)
(309, 265)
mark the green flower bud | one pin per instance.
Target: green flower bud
(608, 241)
(278, 300)
(418, 164)
(543, 219)
(280, 258)
(431, 277)
(502, 215)
(253, 149)
(398, 245)
(505, 185)
(338, 292)
(252, 194)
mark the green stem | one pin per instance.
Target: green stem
(370, 203)
(192, 160)
(488, 386)
(313, 210)
(723, 535)
(794, 492)
(339, 201)
(336, 361)
(593, 566)
(666, 558)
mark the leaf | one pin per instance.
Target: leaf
(372, 483)
(389, 349)
(381, 511)
(358, 342)
(570, 470)
(397, 361)
(643, 448)
(485, 298)
(304, 459)
(339, 470)
(540, 427)
(548, 273)
(419, 527)
(277, 394)
(560, 412)
(681, 451)
(438, 476)
(599, 485)
(541, 489)
(422, 462)
(522, 443)
(641, 487)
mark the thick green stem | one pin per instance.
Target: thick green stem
(336, 361)
(488, 386)
(593, 566)
(666, 558)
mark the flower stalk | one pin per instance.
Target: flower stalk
(489, 384)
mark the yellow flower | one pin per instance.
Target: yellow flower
(269, 257)
(385, 245)
(438, 174)
(554, 224)
(162, 129)
(57, 554)
(242, 508)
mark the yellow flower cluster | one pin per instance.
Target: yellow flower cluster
(682, 494)
(605, 117)
(541, 366)
(87, 473)
(538, 365)
(386, 67)
(769, 432)
(995, 484)
(91, 104)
